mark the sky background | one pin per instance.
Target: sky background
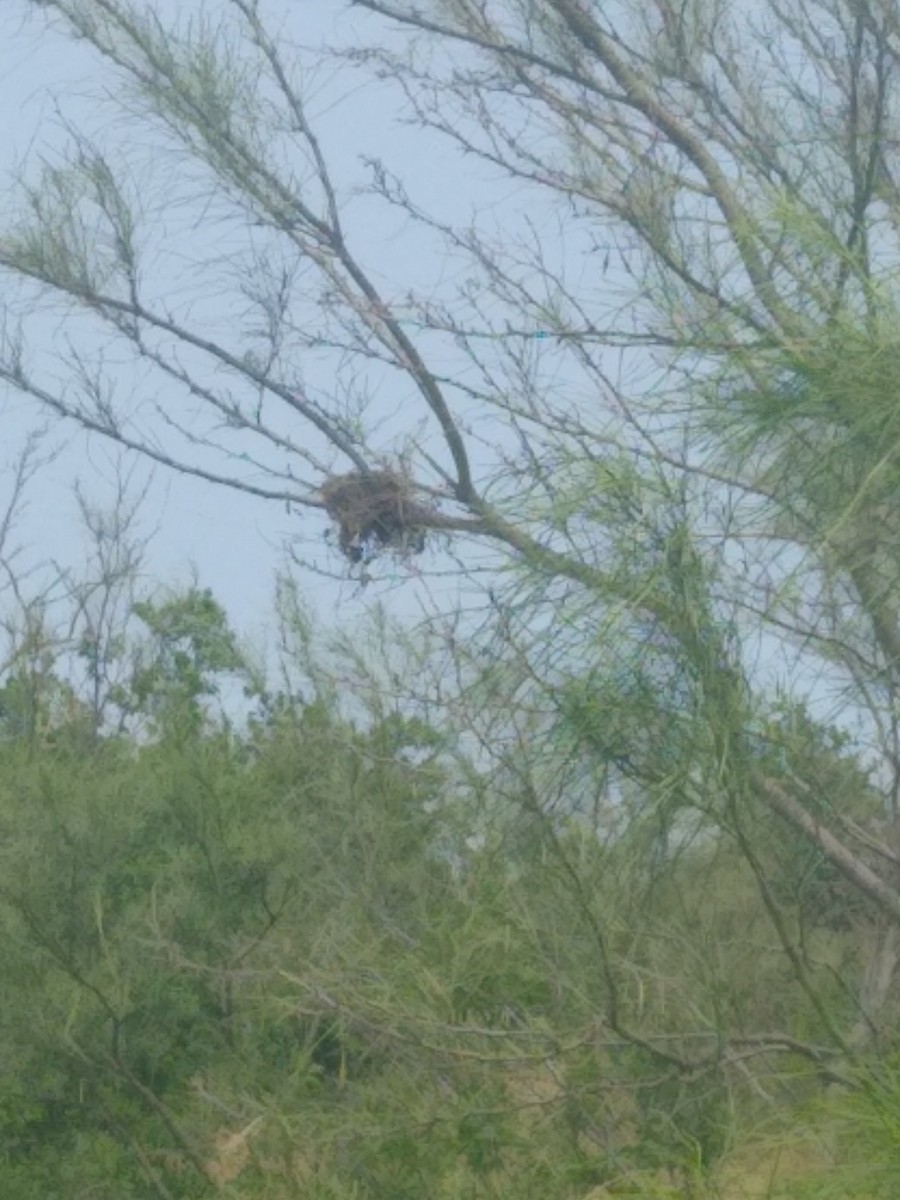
(236, 543)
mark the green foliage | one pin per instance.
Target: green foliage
(835, 785)
(272, 957)
(190, 647)
(572, 916)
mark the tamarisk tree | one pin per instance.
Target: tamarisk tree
(655, 375)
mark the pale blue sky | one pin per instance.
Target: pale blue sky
(234, 541)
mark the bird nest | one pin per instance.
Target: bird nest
(375, 511)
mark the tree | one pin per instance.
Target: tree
(190, 647)
(671, 404)
(176, 914)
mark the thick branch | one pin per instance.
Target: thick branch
(849, 864)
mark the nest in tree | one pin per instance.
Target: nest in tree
(375, 511)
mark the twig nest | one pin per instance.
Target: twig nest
(376, 511)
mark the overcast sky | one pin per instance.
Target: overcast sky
(235, 542)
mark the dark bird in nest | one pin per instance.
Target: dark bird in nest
(375, 511)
